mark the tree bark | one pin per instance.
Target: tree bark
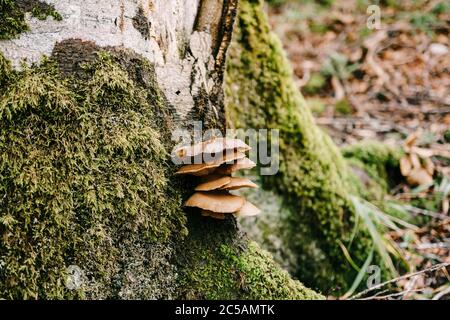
(89, 206)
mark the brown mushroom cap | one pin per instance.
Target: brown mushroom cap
(213, 182)
(202, 169)
(214, 215)
(214, 145)
(218, 202)
(247, 210)
(238, 183)
(241, 164)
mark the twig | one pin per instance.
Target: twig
(441, 294)
(433, 268)
(375, 295)
(424, 212)
(392, 295)
(426, 246)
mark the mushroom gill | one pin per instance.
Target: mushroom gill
(214, 145)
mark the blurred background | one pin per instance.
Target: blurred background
(379, 70)
(365, 79)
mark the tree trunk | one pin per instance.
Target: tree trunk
(309, 217)
(89, 207)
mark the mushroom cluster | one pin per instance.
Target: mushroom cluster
(220, 158)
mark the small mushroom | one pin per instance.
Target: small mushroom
(214, 145)
(241, 164)
(202, 169)
(247, 210)
(213, 182)
(238, 183)
(217, 202)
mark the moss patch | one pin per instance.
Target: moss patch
(315, 83)
(216, 265)
(85, 181)
(313, 177)
(12, 20)
(376, 165)
(82, 172)
(12, 16)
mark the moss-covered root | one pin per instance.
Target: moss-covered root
(217, 263)
(313, 175)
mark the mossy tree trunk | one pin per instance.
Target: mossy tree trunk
(309, 216)
(86, 185)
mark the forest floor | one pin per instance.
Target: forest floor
(386, 81)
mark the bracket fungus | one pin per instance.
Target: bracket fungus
(220, 158)
(214, 145)
(207, 167)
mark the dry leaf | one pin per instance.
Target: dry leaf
(415, 161)
(405, 165)
(419, 176)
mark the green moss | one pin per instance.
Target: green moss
(12, 16)
(6, 72)
(263, 279)
(316, 106)
(447, 136)
(12, 20)
(43, 10)
(217, 266)
(85, 181)
(83, 171)
(343, 107)
(315, 83)
(313, 177)
(381, 164)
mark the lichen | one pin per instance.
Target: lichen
(313, 179)
(12, 16)
(12, 20)
(83, 170)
